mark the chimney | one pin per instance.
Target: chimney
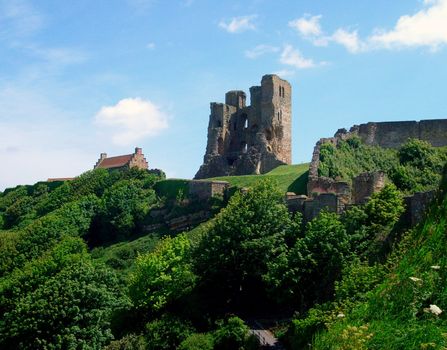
(138, 150)
(103, 156)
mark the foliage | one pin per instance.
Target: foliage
(232, 256)
(308, 270)
(59, 301)
(397, 311)
(232, 334)
(125, 204)
(198, 341)
(121, 256)
(72, 219)
(162, 276)
(167, 332)
(415, 166)
(129, 342)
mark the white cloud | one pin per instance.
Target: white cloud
(350, 40)
(238, 24)
(427, 27)
(18, 19)
(292, 57)
(131, 119)
(307, 26)
(260, 50)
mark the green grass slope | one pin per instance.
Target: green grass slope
(400, 313)
(290, 178)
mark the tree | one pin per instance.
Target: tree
(307, 272)
(59, 301)
(233, 254)
(162, 276)
(167, 332)
(232, 334)
(125, 204)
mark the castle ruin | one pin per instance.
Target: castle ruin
(250, 139)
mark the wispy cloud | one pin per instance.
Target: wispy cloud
(350, 40)
(260, 50)
(307, 26)
(131, 119)
(425, 28)
(18, 18)
(150, 46)
(238, 24)
(293, 57)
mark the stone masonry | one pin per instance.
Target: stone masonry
(250, 139)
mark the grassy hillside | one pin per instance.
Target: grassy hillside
(290, 178)
(407, 310)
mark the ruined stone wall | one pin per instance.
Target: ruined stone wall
(383, 134)
(364, 185)
(207, 189)
(415, 207)
(250, 139)
(394, 134)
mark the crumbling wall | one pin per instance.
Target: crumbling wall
(394, 134)
(383, 134)
(365, 184)
(201, 189)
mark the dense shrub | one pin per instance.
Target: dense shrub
(232, 257)
(60, 301)
(162, 276)
(415, 166)
(167, 332)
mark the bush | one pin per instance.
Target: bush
(129, 342)
(60, 301)
(231, 334)
(167, 332)
(162, 276)
(198, 341)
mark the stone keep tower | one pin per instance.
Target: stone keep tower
(250, 139)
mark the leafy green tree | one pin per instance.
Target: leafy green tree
(167, 332)
(307, 272)
(72, 219)
(128, 342)
(385, 207)
(162, 276)
(198, 341)
(125, 204)
(232, 334)
(59, 301)
(232, 256)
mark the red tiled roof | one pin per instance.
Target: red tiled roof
(115, 162)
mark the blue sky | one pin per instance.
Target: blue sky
(82, 77)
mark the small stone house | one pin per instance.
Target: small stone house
(127, 161)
